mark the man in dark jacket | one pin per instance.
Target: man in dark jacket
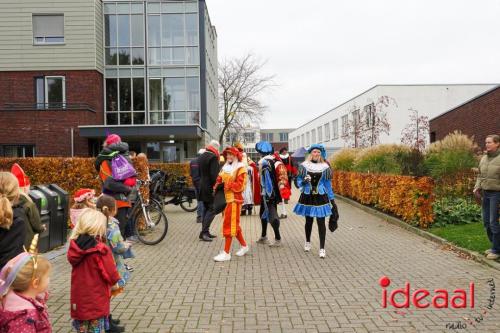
(117, 189)
(194, 171)
(209, 170)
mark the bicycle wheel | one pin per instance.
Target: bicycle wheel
(150, 224)
(189, 205)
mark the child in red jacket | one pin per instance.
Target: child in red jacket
(93, 275)
(23, 293)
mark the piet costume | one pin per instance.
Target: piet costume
(317, 193)
(274, 188)
(251, 195)
(234, 177)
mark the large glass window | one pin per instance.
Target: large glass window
(193, 93)
(174, 94)
(191, 29)
(320, 134)
(123, 30)
(327, 131)
(345, 120)
(48, 29)
(125, 101)
(283, 137)
(125, 95)
(172, 29)
(111, 94)
(50, 92)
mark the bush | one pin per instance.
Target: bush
(453, 210)
(74, 173)
(380, 159)
(344, 159)
(409, 198)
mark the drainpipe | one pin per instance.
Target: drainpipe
(72, 143)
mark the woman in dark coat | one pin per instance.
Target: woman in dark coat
(209, 170)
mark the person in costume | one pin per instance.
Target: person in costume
(194, 172)
(209, 170)
(33, 221)
(251, 195)
(273, 185)
(316, 199)
(24, 282)
(234, 177)
(286, 192)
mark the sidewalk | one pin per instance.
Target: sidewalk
(176, 286)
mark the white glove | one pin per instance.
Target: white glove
(307, 178)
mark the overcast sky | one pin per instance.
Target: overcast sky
(324, 52)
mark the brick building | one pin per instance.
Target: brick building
(477, 117)
(73, 71)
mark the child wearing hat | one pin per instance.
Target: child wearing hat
(33, 221)
(83, 198)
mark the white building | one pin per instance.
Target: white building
(247, 136)
(429, 100)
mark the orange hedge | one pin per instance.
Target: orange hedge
(409, 198)
(74, 173)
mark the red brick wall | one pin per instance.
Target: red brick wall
(478, 118)
(50, 131)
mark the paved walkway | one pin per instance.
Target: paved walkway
(176, 286)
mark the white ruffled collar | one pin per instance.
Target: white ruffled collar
(284, 157)
(230, 168)
(315, 167)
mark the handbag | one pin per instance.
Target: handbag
(334, 218)
(219, 200)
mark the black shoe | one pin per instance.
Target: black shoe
(199, 219)
(243, 212)
(249, 212)
(211, 236)
(113, 321)
(115, 328)
(205, 238)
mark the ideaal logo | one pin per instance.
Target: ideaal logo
(439, 299)
(423, 298)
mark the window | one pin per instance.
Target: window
(320, 134)
(302, 141)
(356, 117)
(335, 129)
(433, 137)
(327, 131)
(345, 119)
(249, 137)
(50, 92)
(313, 136)
(369, 115)
(17, 151)
(125, 103)
(283, 137)
(267, 137)
(48, 29)
(308, 139)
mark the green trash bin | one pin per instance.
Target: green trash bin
(42, 204)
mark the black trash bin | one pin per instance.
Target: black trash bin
(55, 233)
(62, 213)
(42, 204)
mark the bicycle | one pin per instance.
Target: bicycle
(149, 221)
(182, 195)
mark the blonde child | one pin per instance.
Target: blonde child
(23, 291)
(33, 221)
(93, 273)
(12, 216)
(84, 198)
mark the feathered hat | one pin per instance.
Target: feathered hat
(319, 147)
(264, 148)
(234, 151)
(22, 179)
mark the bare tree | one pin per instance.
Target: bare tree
(416, 131)
(240, 85)
(364, 130)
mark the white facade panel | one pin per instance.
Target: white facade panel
(429, 100)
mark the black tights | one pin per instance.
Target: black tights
(273, 219)
(321, 229)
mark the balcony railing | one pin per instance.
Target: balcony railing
(47, 107)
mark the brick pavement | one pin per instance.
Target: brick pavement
(176, 286)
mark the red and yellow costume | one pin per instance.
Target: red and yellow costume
(234, 177)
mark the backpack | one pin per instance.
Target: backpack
(122, 168)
